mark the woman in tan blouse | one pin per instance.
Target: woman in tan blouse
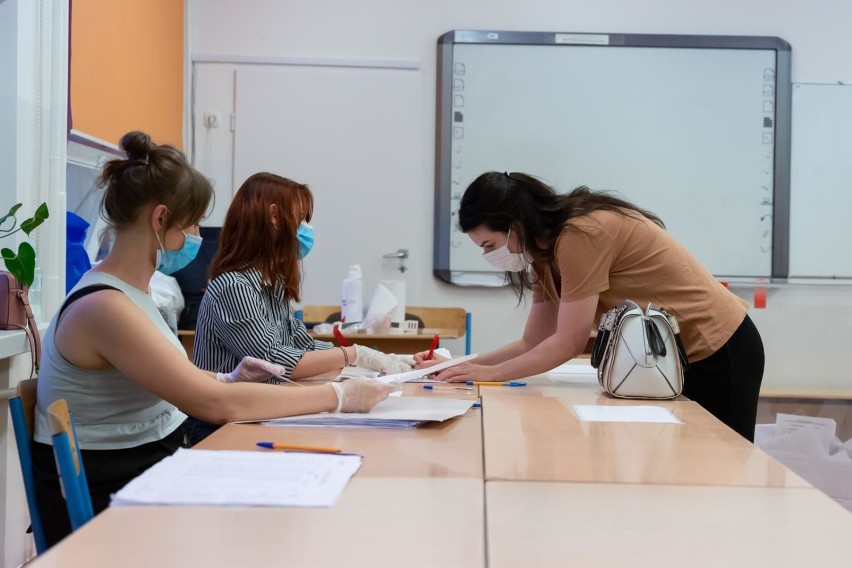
(583, 252)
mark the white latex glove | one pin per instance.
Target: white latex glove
(251, 370)
(378, 361)
(360, 395)
(406, 359)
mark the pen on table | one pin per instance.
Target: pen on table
(432, 348)
(498, 384)
(294, 448)
(436, 387)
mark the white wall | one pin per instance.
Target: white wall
(805, 329)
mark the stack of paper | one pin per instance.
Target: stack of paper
(393, 412)
(245, 479)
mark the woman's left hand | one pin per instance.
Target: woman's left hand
(252, 370)
(468, 372)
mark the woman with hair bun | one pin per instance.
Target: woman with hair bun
(254, 276)
(109, 353)
(580, 254)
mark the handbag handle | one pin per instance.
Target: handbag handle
(32, 333)
(654, 338)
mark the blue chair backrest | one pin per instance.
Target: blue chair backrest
(69, 462)
(468, 324)
(23, 439)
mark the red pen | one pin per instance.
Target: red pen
(339, 336)
(432, 349)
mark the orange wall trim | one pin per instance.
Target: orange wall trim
(126, 72)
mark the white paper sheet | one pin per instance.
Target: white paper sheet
(402, 409)
(420, 373)
(246, 479)
(825, 428)
(606, 413)
(573, 373)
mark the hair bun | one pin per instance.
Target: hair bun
(137, 145)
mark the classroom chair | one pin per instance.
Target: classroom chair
(22, 408)
(72, 474)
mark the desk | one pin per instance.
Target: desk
(660, 526)
(617, 495)
(446, 449)
(405, 343)
(399, 513)
(533, 437)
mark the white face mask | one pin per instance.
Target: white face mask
(504, 259)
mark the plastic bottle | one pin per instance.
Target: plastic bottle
(351, 305)
(34, 295)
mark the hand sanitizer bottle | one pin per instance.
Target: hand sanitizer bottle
(351, 305)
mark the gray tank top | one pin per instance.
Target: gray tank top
(109, 410)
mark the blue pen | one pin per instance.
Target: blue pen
(435, 387)
(498, 384)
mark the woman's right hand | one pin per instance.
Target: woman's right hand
(361, 395)
(421, 361)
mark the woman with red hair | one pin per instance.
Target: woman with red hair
(254, 276)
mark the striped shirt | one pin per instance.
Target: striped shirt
(241, 317)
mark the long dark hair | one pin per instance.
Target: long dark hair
(249, 239)
(536, 212)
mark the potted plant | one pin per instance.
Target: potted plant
(22, 263)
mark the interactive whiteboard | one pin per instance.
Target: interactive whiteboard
(693, 128)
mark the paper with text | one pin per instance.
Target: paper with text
(245, 479)
(420, 373)
(405, 409)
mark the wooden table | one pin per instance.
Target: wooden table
(377, 522)
(406, 343)
(446, 449)
(521, 476)
(403, 343)
(586, 525)
(532, 434)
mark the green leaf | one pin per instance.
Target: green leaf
(37, 219)
(10, 215)
(21, 265)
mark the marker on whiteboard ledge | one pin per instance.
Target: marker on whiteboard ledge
(759, 297)
(724, 283)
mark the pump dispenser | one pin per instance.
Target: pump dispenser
(352, 303)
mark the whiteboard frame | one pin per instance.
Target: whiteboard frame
(443, 119)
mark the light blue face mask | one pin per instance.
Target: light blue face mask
(305, 234)
(170, 261)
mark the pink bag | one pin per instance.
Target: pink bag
(15, 313)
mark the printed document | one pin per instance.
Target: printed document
(393, 412)
(242, 479)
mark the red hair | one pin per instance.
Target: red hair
(250, 239)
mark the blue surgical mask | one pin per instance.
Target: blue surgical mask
(305, 234)
(170, 261)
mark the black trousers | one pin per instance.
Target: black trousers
(727, 383)
(107, 471)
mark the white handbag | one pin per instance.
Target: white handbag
(639, 354)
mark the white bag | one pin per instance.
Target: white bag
(639, 354)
